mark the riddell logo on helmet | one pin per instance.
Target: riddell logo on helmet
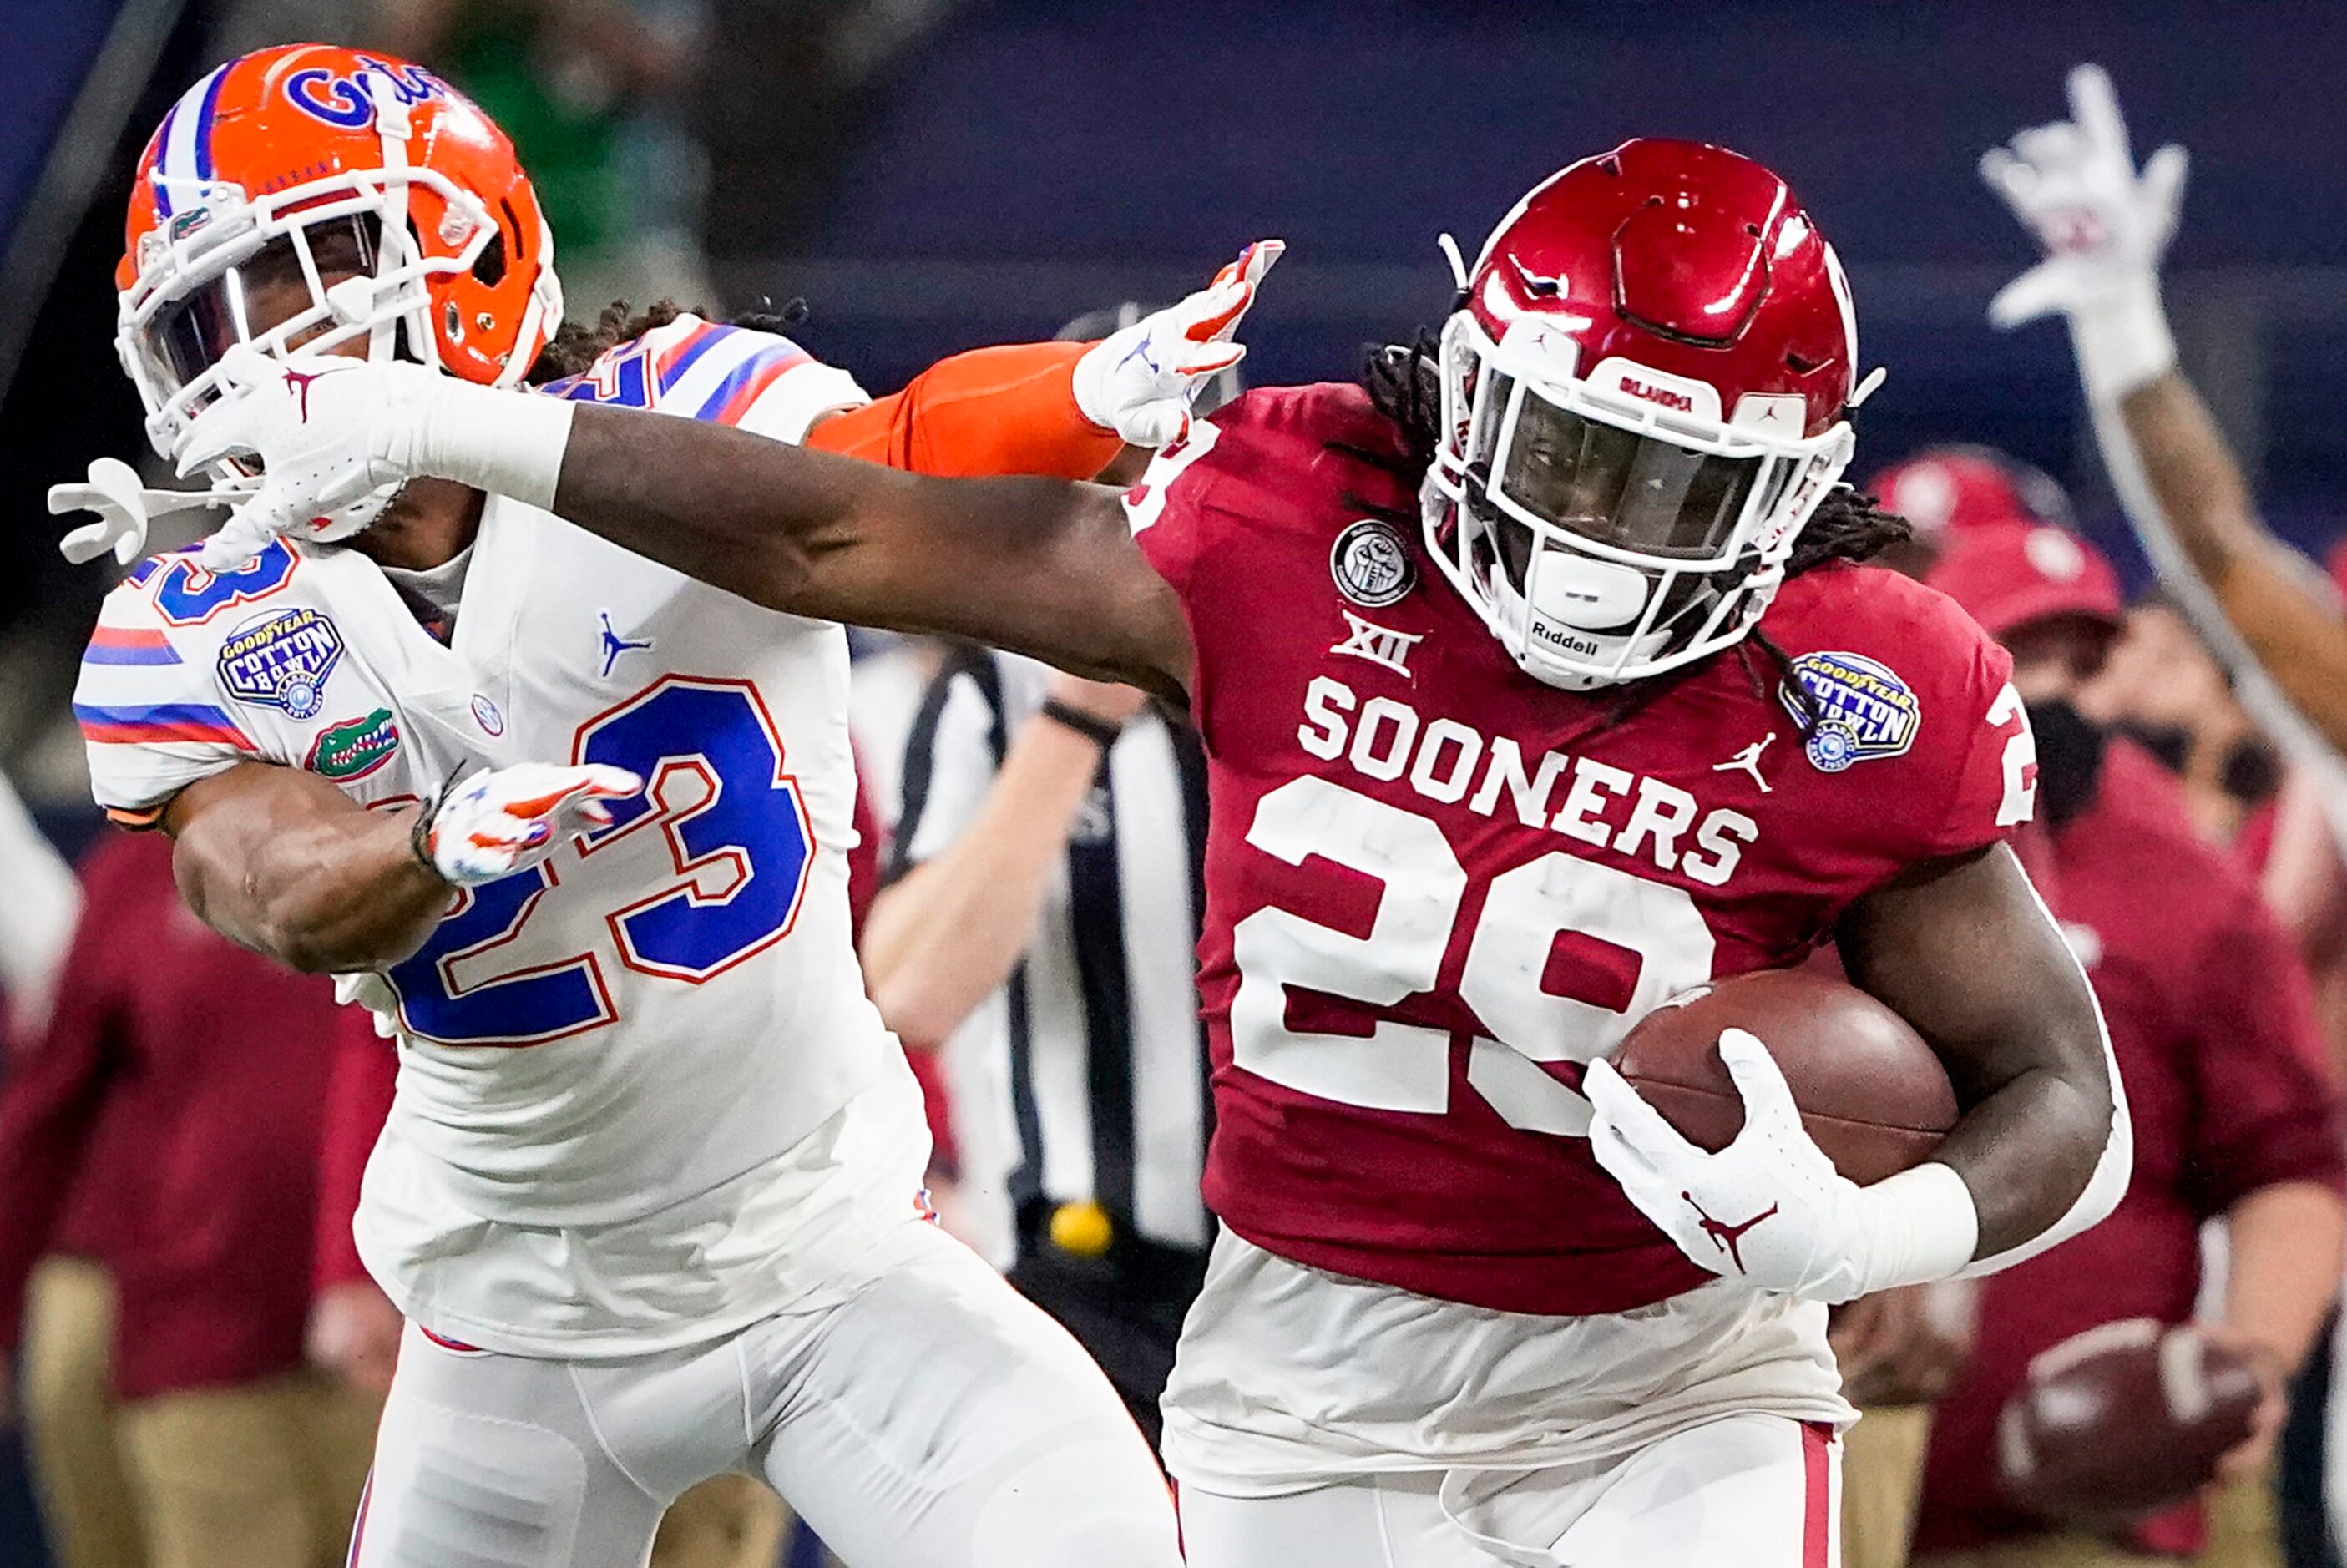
(1557, 637)
(1662, 394)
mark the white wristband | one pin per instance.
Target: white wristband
(2122, 339)
(496, 439)
(1922, 1225)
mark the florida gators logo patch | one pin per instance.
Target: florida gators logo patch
(281, 661)
(1864, 711)
(353, 748)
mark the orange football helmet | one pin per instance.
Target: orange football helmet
(287, 147)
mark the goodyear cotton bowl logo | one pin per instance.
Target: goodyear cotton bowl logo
(1864, 710)
(353, 748)
(283, 661)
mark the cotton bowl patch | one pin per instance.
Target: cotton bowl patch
(353, 748)
(281, 661)
(1864, 710)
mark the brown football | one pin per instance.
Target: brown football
(1872, 1093)
(2122, 1420)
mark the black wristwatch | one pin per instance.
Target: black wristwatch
(1092, 726)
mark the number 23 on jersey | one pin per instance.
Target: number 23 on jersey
(706, 868)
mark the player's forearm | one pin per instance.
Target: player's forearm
(2044, 1146)
(2199, 487)
(320, 889)
(942, 940)
(2294, 629)
(2286, 1245)
(1040, 567)
(2036, 1157)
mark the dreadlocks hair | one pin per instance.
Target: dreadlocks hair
(1404, 383)
(576, 346)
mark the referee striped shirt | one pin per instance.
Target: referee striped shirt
(1085, 1076)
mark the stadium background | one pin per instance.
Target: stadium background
(931, 175)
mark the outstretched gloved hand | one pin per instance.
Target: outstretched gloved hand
(1140, 380)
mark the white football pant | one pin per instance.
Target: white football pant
(1745, 1491)
(933, 1420)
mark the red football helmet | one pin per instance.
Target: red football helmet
(1643, 401)
(288, 152)
(1946, 488)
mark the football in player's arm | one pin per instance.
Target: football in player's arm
(1960, 946)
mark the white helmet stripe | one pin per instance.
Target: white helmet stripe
(187, 130)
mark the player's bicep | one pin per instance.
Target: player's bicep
(228, 832)
(1964, 951)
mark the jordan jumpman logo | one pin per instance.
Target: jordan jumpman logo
(1726, 1236)
(299, 381)
(614, 645)
(1749, 760)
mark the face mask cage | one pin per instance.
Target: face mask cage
(201, 284)
(1604, 538)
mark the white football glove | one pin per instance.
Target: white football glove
(1770, 1209)
(1140, 380)
(2105, 229)
(499, 821)
(327, 431)
(124, 508)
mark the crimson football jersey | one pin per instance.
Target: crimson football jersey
(1436, 888)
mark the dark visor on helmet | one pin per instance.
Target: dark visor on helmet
(248, 301)
(1608, 485)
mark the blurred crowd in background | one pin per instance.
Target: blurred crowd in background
(197, 1352)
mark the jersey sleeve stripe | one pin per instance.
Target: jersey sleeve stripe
(738, 391)
(163, 722)
(128, 645)
(680, 355)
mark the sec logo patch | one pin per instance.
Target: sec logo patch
(281, 661)
(1371, 563)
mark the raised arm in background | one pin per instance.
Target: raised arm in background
(2105, 228)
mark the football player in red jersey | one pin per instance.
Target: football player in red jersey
(1538, 684)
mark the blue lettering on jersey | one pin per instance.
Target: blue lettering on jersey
(281, 661)
(188, 595)
(725, 870)
(1864, 710)
(619, 376)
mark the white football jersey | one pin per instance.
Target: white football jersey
(642, 1096)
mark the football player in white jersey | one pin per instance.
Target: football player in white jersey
(575, 824)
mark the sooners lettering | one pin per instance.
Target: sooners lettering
(1448, 761)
